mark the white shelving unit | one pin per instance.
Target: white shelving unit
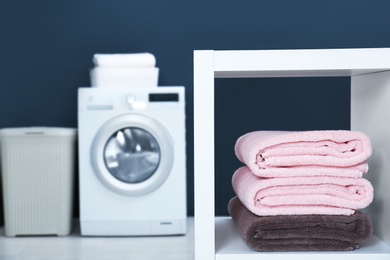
(369, 69)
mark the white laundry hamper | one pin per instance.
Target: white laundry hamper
(38, 168)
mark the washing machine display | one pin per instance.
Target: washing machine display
(132, 161)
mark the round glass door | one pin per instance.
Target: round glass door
(132, 155)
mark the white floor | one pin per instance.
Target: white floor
(98, 248)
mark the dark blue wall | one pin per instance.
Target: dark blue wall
(46, 50)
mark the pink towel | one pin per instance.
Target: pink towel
(301, 195)
(309, 153)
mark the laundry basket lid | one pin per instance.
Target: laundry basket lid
(42, 131)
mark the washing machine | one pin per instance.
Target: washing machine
(132, 164)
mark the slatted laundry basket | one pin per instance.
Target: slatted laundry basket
(38, 168)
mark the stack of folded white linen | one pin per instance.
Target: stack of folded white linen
(124, 70)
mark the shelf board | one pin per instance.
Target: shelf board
(293, 73)
(229, 245)
(300, 63)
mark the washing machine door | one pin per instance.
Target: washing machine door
(132, 154)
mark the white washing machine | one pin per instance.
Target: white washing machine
(132, 173)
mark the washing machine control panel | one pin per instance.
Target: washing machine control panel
(134, 99)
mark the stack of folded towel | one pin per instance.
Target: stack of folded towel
(302, 191)
(124, 70)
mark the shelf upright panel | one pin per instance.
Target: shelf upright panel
(204, 154)
(370, 113)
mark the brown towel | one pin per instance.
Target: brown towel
(283, 233)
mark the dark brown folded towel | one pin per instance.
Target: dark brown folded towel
(283, 233)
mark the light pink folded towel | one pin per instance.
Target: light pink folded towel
(301, 195)
(309, 153)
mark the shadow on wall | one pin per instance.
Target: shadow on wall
(1, 203)
(1, 194)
